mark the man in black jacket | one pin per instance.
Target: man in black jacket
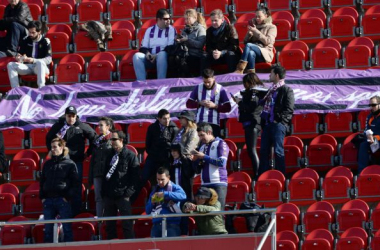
(275, 120)
(34, 57)
(3, 159)
(119, 184)
(59, 181)
(75, 133)
(15, 20)
(158, 140)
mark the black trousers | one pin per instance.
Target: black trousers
(230, 58)
(251, 135)
(15, 32)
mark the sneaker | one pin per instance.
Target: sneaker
(101, 47)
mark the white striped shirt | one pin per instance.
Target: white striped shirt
(156, 39)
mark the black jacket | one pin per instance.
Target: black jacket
(226, 40)
(20, 13)
(187, 174)
(249, 108)
(75, 137)
(99, 158)
(44, 49)
(158, 143)
(124, 180)
(3, 159)
(59, 177)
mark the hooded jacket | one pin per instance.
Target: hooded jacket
(59, 177)
(250, 109)
(99, 157)
(20, 13)
(75, 137)
(213, 224)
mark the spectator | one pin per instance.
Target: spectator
(102, 147)
(3, 159)
(34, 57)
(99, 32)
(206, 200)
(249, 115)
(259, 41)
(152, 54)
(15, 20)
(158, 140)
(211, 99)
(222, 43)
(371, 133)
(75, 133)
(165, 199)
(187, 136)
(59, 181)
(193, 37)
(119, 183)
(211, 161)
(275, 119)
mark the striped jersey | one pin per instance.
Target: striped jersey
(156, 39)
(214, 169)
(217, 95)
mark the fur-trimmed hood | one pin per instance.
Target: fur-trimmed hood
(214, 197)
(266, 21)
(65, 153)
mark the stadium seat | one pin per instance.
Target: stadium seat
(240, 176)
(311, 26)
(305, 5)
(33, 77)
(336, 4)
(178, 7)
(122, 9)
(374, 220)
(343, 24)
(358, 53)
(70, 69)
(84, 45)
(207, 6)
(319, 239)
(362, 117)
(28, 228)
(240, 224)
(60, 36)
(132, 149)
(102, 67)
(31, 205)
(138, 207)
(287, 217)
(237, 192)
(338, 124)
(321, 152)
(243, 6)
(5, 85)
(266, 65)
(319, 215)
(349, 153)
(126, 70)
(10, 189)
(278, 5)
(234, 130)
(148, 8)
(38, 232)
(242, 24)
(287, 240)
(337, 184)
(375, 244)
(91, 10)
(303, 187)
(8, 206)
(13, 140)
(142, 228)
(83, 231)
(269, 188)
(37, 140)
(354, 213)
(368, 184)
(293, 147)
(233, 148)
(122, 33)
(60, 11)
(137, 134)
(284, 22)
(353, 238)
(294, 55)
(12, 235)
(369, 3)
(245, 162)
(89, 215)
(209, 23)
(141, 31)
(36, 8)
(24, 167)
(371, 22)
(326, 54)
(179, 24)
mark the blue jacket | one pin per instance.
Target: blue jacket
(176, 195)
(373, 123)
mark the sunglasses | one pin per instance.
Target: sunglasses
(373, 104)
(114, 139)
(166, 19)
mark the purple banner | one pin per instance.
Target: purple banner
(126, 102)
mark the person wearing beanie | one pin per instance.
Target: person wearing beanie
(187, 136)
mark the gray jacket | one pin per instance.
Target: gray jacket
(196, 35)
(189, 141)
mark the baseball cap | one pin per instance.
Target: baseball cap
(71, 110)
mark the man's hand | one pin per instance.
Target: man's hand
(197, 155)
(150, 57)
(370, 139)
(159, 194)
(216, 54)
(209, 104)
(29, 59)
(190, 207)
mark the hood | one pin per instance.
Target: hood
(178, 147)
(65, 153)
(214, 197)
(266, 21)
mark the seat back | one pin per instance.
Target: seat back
(329, 43)
(346, 11)
(75, 58)
(242, 24)
(340, 171)
(240, 176)
(321, 234)
(272, 174)
(137, 134)
(372, 169)
(305, 125)
(178, 7)
(10, 189)
(122, 9)
(149, 8)
(138, 207)
(325, 138)
(13, 140)
(83, 231)
(13, 235)
(287, 240)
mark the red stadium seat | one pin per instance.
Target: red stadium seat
(241, 25)
(137, 134)
(284, 22)
(142, 228)
(269, 188)
(240, 225)
(38, 232)
(349, 153)
(13, 140)
(319, 215)
(310, 4)
(294, 55)
(353, 238)
(243, 6)
(37, 140)
(321, 152)
(362, 116)
(28, 228)
(83, 231)
(287, 240)
(148, 8)
(126, 70)
(375, 219)
(338, 124)
(375, 244)
(354, 213)
(371, 22)
(336, 4)
(244, 159)
(60, 11)
(84, 45)
(31, 205)
(277, 5)
(122, 33)
(132, 149)
(179, 24)
(13, 235)
(319, 239)
(60, 38)
(343, 24)
(336, 187)
(368, 184)
(91, 10)
(122, 9)
(240, 176)
(293, 147)
(101, 67)
(70, 69)
(369, 3)
(311, 25)
(303, 186)
(326, 54)
(5, 85)
(36, 8)
(287, 217)
(7, 206)
(237, 192)
(24, 167)
(143, 28)
(234, 130)
(138, 207)
(358, 53)
(89, 215)
(9, 188)
(233, 148)
(178, 7)
(209, 5)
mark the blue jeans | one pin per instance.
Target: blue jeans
(252, 54)
(52, 208)
(15, 32)
(363, 156)
(173, 230)
(76, 200)
(140, 64)
(273, 134)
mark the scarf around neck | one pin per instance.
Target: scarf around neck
(100, 139)
(217, 31)
(268, 99)
(63, 130)
(113, 164)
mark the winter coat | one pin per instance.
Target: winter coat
(189, 141)
(196, 38)
(59, 177)
(226, 40)
(123, 182)
(186, 178)
(44, 52)
(75, 137)
(263, 36)
(249, 108)
(20, 13)
(99, 157)
(284, 105)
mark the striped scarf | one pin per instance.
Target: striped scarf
(63, 130)
(114, 162)
(268, 99)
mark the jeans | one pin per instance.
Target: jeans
(98, 196)
(252, 54)
(140, 64)
(111, 207)
(273, 134)
(76, 201)
(363, 156)
(39, 68)
(52, 208)
(221, 190)
(251, 135)
(230, 58)
(15, 32)
(172, 230)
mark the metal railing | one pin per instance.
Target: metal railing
(271, 228)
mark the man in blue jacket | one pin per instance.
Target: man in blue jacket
(165, 199)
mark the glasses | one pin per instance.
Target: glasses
(166, 18)
(114, 139)
(373, 104)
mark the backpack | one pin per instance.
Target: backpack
(257, 222)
